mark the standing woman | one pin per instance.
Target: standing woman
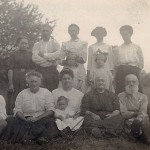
(129, 59)
(99, 33)
(77, 47)
(20, 62)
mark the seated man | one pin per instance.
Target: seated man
(34, 116)
(3, 115)
(133, 107)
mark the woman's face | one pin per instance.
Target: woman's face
(73, 31)
(99, 35)
(23, 44)
(100, 83)
(34, 83)
(67, 81)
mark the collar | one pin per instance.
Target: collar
(97, 92)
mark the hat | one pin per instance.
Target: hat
(98, 30)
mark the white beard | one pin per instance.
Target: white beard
(131, 89)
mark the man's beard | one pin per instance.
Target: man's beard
(131, 89)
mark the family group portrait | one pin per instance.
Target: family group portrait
(74, 75)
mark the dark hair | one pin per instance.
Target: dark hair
(33, 73)
(66, 71)
(105, 56)
(62, 97)
(75, 25)
(126, 28)
(99, 29)
(19, 39)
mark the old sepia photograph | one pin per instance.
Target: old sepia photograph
(74, 75)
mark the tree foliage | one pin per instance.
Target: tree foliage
(17, 19)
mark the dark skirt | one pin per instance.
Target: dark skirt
(50, 77)
(113, 125)
(122, 72)
(18, 130)
(19, 82)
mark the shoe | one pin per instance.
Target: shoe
(96, 133)
(136, 128)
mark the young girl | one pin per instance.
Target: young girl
(72, 64)
(100, 60)
(65, 116)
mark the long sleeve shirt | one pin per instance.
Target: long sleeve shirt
(34, 104)
(48, 48)
(130, 54)
(130, 104)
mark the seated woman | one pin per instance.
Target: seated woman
(73, 95)
(34, 116)
(3, 115)
(101, 110)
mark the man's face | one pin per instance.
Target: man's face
(126, 35)
(46, 32)
(131, 84)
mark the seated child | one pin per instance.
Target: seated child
(65, 116)
(100, 60)
(73, 65)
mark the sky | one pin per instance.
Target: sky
(111, 14)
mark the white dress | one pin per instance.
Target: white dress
(74, 124)
(80, 49)
(74, 96)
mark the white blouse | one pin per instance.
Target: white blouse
(130, 54)
(75, 46)
(34, 104)
(74, 96)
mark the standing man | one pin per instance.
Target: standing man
(46, 56)
(129, 59)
